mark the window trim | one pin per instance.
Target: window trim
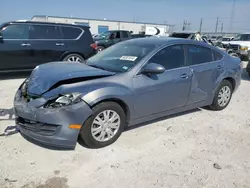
(80, 35)
(138, 72)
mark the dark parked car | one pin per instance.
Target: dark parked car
(128, 83)
(248, 68)
(109, 38)
(25, 44)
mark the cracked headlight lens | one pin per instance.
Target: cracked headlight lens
(64, 100)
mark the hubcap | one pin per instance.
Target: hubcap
(105, 125)
(73, 59)
(224, 96)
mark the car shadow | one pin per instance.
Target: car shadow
(245, 75)
(83, 144)
(18, 75)
(7, 112)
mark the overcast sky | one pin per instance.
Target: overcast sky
(160, 11)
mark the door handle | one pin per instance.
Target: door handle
(25, 44)
(184, 76)
(60, 44)
(219, 67)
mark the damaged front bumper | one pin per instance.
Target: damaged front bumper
(50, 126)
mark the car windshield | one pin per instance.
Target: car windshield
(242, 37)
(121, 57)
(104, 35)
(225, 39)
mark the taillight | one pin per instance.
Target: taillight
(94, 45)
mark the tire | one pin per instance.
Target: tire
(90, 137)
(99, 49)
(72, 58)
(217, 104)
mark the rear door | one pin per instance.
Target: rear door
(15, 47)
(46, 43)
(206, 66)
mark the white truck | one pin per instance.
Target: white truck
(241, 45)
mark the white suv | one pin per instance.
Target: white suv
(241, 44)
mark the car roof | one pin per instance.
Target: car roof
(45, 23)
(160, 40)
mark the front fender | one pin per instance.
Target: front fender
(101, 94)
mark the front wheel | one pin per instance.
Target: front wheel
(222, 96)
(104, 126)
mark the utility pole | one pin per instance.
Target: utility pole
(222, 27)
(217, 22)
(184, 25)
(200, 25)
(232, 16)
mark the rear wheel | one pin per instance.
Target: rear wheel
(105, 125)
(72, 58)
(100, 49)
(222, 96)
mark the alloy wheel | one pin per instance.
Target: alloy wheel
(105, 125)
(73, 59)
(224, 96)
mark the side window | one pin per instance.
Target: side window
(15, 31)
(170, 57)
(45, 32)
(71, 32)
(118, 35)
(198, 55)
(124, 34)
(217, 56)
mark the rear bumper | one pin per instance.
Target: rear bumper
(51, 126)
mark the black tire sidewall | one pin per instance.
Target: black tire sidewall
(85, 132)
(77, 55)
(215, 105)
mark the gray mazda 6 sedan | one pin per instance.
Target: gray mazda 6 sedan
(129, 83)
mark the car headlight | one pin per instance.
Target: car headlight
(244, 48)
(64, 100)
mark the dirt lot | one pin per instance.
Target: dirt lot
(200, 148)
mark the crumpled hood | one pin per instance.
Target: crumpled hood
(45, 76)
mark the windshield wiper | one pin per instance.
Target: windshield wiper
(98, 67)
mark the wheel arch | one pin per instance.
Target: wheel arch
(68, 53)
(231, 80)
(120, 102)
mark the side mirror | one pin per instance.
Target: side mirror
(1, 36)
(153, 68)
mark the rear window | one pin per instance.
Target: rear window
(180, 35)
(71, 32)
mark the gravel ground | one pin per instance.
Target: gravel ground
(200, 148)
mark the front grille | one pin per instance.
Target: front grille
(37, 127)
(235, 47)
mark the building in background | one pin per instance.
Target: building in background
(99, 26)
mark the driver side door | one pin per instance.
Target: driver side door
(158, 93)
